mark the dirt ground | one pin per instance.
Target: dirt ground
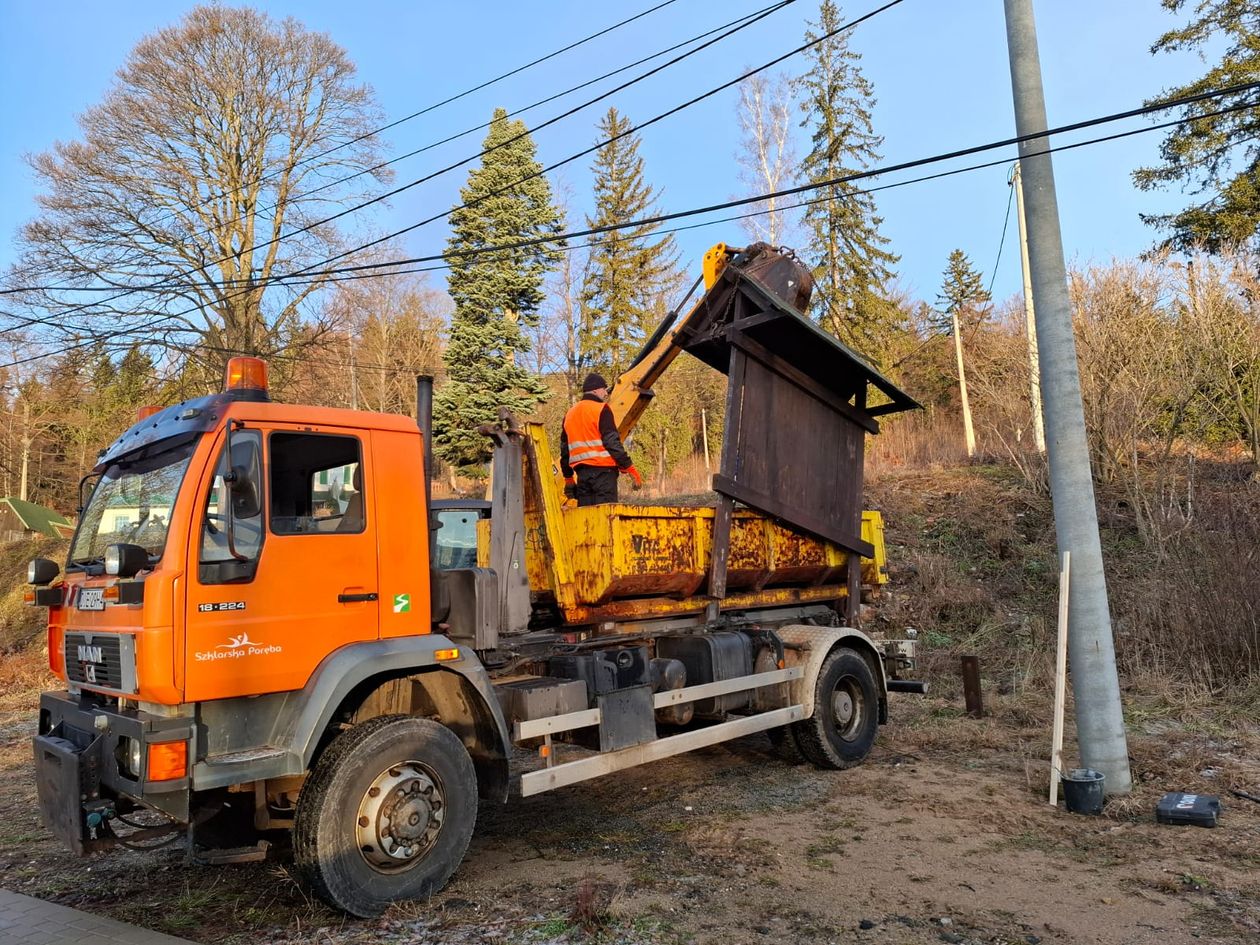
(942, 836)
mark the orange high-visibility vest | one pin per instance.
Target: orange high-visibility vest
(581, 429)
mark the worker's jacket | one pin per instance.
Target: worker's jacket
(590, 437)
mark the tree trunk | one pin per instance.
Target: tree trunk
(26, 447)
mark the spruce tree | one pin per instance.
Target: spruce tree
(629, 273)
(963, 297)
(851, 263)
(962, 292)
(496, 295)
(1218, 156)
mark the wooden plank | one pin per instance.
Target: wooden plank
(752, 321)
(726, 486)
(1060, 681)
(721, 551)
(548, 779)
(806, 383)
(880, 409)
(853, 603)
(721, 546)
(724, 686)
(972, 695)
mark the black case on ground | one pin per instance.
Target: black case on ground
(1199, 810)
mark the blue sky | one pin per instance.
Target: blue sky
(939, 68)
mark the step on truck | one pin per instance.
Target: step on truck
(269, 634)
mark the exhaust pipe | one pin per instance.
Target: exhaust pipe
(917, 687)
(424, 418)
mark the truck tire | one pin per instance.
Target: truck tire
(842, 729)
(386, 814)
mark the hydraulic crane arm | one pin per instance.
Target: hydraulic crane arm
(632, 391)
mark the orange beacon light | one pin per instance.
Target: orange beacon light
(246, 374)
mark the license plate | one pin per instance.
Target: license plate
(91, 598)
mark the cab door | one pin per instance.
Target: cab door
(299, 579)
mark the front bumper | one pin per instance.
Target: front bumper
(81, 773)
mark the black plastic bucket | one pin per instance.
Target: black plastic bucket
(1083, 790)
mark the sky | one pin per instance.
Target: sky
(939, 69)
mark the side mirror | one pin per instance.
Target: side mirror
(245, 502)
(125, 560)
(41, 571)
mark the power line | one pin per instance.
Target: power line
(438, 143)
(607, 141)
(350, 274)
(161, 284)
(833, 182)
(803, 188)
(1002, 242)
(416, 114)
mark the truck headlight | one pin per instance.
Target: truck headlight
(124, 560)
(131, 755)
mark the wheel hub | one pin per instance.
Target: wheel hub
(842, 705)
(847, 708)
(400, 816)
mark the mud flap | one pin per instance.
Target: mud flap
(66, 776)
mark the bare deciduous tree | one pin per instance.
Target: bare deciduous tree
(1222, 310)
(767, 152)
(222, 137)
(386, 331)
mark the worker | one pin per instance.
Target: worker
(591, 454)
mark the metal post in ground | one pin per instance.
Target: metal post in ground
(1099, 717)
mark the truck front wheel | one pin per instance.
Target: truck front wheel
(386, 814)
(842, 729)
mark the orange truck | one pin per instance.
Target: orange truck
(270, 636)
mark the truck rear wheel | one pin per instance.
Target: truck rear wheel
(842, 729)
(386, 814)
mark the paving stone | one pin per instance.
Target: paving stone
(25, 920)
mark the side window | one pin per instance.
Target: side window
(232, 522)
(457, 539)
(316, 484)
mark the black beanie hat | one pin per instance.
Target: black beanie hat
(593, 382)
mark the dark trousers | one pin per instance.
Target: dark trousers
(596, 484)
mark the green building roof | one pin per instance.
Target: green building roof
(39, 519)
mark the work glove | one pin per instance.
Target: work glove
(634, 476)
(570, 488)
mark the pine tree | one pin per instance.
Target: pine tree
(963, 297)
(496, 295)
(629, 273)
(851, 265)
(1217, 156)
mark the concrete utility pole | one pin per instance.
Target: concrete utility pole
(969, 432)
(1030, 321)
(1099, 718)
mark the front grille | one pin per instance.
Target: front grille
(102, 661)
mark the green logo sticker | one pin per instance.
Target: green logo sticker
(402, 603)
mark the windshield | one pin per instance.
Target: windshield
(132, 503)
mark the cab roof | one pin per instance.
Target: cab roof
(208, 413)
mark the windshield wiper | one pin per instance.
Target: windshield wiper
(86, 565)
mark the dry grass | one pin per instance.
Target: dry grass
(20, 624)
